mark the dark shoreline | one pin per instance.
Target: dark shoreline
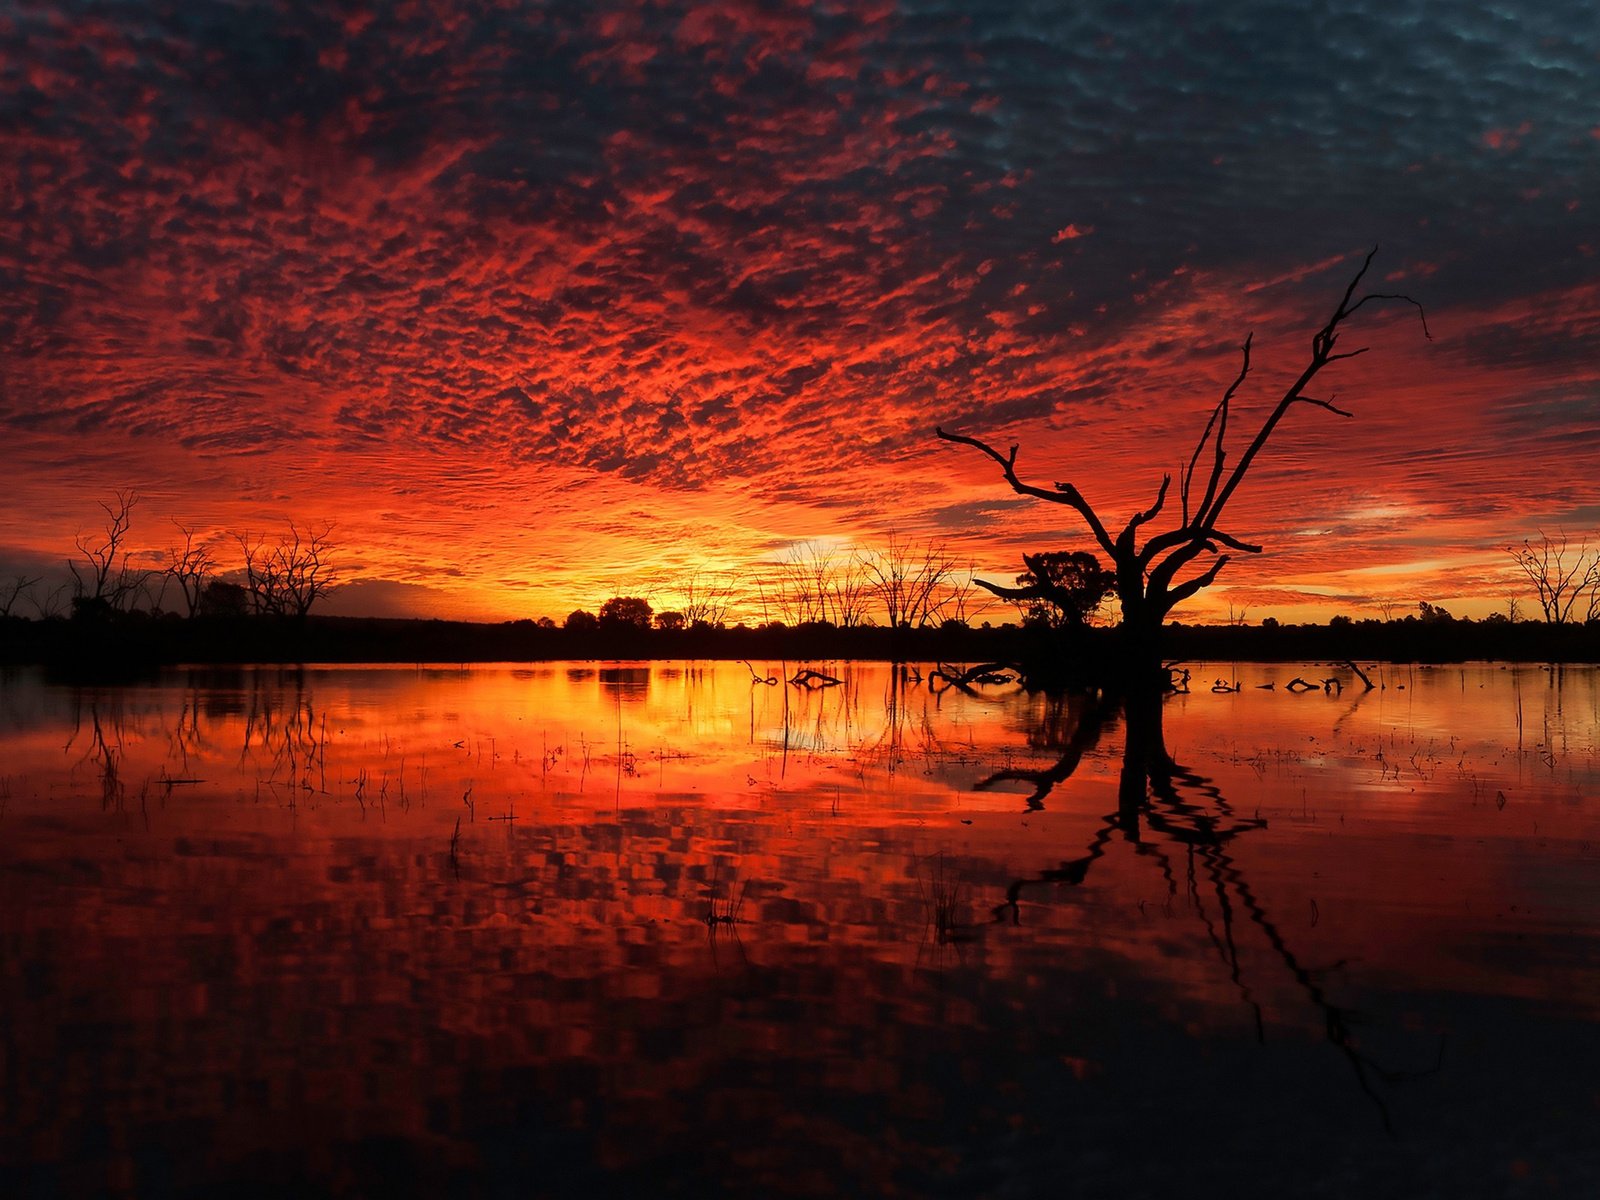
(138, 642)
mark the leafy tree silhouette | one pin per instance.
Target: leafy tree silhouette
(1060, 588)
(625, 612)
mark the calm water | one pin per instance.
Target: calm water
(641, 930)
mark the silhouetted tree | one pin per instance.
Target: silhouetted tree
(104, 582)
(705, 598)
(219, 598)
(1566, 580)
(669, 622)
(49, 604)
(1060, 589)
(625, 612)
(13, 592)
(964, 598)
(581, 621)
(911, 582)
(285, 578)
(1151, 577)
(189, 566)
(823, 584)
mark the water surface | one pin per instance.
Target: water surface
(672, 929)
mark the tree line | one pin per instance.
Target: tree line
(904, 584)
(280, 575)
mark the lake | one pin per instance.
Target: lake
(689, 929)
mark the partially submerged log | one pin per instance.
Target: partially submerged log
(1360, 674)
(989, 674)
(814, 679)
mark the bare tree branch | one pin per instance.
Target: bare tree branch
(286, 578)
(190, 566)
(105, 580)
(1147, 576)
(13, 592)
(1561, 576)
(1064, 493)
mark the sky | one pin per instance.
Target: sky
(543, 303)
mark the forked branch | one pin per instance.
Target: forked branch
(1064, 493)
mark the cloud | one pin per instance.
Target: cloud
(735, 260)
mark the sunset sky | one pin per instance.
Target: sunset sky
(543, 303)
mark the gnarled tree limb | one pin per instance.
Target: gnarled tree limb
(1147, 576)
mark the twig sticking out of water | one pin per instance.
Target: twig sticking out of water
(942, 899)
(990, 674)
(726, 911)
(1360, 674)
(769, 680)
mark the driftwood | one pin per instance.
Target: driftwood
(814, 679)
(989, 674)
(1360, 674)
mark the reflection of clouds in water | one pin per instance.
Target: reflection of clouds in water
(429, 279)
(505, 931)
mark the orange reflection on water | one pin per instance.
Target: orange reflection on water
(609, 924)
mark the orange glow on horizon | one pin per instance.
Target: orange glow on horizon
(714, 318)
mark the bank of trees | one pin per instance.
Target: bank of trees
(902, 583)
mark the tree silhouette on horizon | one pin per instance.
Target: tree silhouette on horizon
(1151, 577)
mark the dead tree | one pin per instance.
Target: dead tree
(190, 567)
(913, 585)
(13, 591)
(706, 599)
(805, 581)
(286, 578)
(103, 581)
(1562, 577)
(1154, 577)
(819, 583)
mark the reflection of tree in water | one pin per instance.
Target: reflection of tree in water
(104, 749)
(1162, 807)
(285, 739)
(839, 716)
(185, 739)
(908, 729)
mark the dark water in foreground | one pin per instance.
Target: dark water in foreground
(660, 930)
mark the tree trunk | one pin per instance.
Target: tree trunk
(1142, 685)
(1138, 669)
(1144, 758)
